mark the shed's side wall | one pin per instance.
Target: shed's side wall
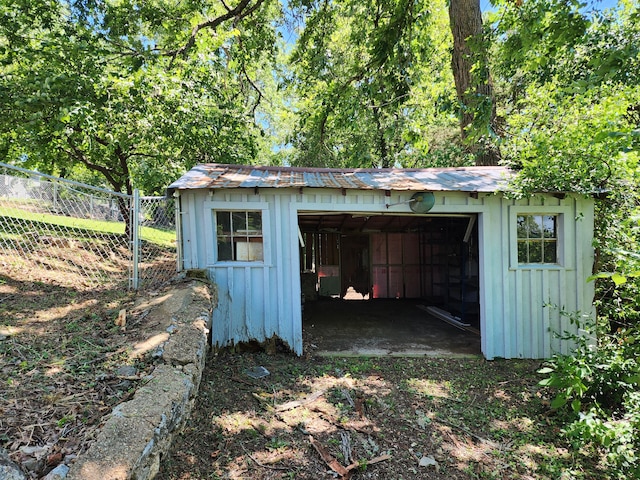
(259, 300)
(526, 307)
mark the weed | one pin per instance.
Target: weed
(276, 443)
(596, 392)
(64, 421)
(72, 326)
(362, 365)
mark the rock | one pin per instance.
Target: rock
(126, 371)
(58, 473)
(34, 464)
(428, 462)
(257, 372)
(158, 353)
(123, 385)
(172, 328)
(34, 451)
(35, 458)
(8, 469)
(139, 432)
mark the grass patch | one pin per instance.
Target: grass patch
(14, 222)
(64, 221)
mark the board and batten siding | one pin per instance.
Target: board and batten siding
(257, 300)
(525, 307)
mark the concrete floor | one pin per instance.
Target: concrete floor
(382, 327)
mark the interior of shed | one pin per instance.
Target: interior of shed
(420, 269)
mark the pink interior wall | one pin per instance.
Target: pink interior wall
(395, 265)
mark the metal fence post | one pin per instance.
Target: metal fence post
(135, 235)
(178, 224)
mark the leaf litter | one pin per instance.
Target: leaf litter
(62, 363)
(364, 418)
(68, 356)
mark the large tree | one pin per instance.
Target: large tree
(470, 65)
(136, 92)
(372, 82)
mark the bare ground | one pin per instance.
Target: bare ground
(64, 364)
(370, 418)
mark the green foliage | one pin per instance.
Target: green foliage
(370, 82)
(133, 92)
(582, 143)
(596, 388)
(561, 42)
(569, 82)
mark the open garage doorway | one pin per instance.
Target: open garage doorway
(416, 278)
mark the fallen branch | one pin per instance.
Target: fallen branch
(331, 462)
(271, 467)
(347, 397)
(299, 403)
(360, 407)
(5, 298)
(262, 400)
(346, 446)
(378, 459)
(366, 429)
(468, 432)
(240, 380)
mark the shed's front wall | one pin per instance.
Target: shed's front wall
(260, 299)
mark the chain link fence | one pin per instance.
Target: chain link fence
(70, 233)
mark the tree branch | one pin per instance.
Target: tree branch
(239, 12)
(76, 153)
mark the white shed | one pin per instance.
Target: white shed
(269, 236)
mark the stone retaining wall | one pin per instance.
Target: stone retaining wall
(139, 432)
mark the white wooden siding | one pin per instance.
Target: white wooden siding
(260, 299)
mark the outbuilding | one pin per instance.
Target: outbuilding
(272, 237)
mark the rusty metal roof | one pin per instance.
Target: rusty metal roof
(462, 179)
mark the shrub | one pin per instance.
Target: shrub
(595, 389)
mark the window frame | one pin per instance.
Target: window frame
(211, 209)
(561, 214)
(544, 243)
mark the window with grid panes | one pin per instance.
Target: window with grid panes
(239, 235)
(537, 239)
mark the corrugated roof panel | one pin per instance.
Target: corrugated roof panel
(466, 179)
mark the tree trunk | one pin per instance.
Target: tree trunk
(473, 87)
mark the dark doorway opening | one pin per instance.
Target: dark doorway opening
(429, 262)
(354, 266)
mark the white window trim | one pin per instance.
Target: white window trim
(563, 214)
(210, 207)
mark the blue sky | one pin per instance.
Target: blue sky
(591, 4)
